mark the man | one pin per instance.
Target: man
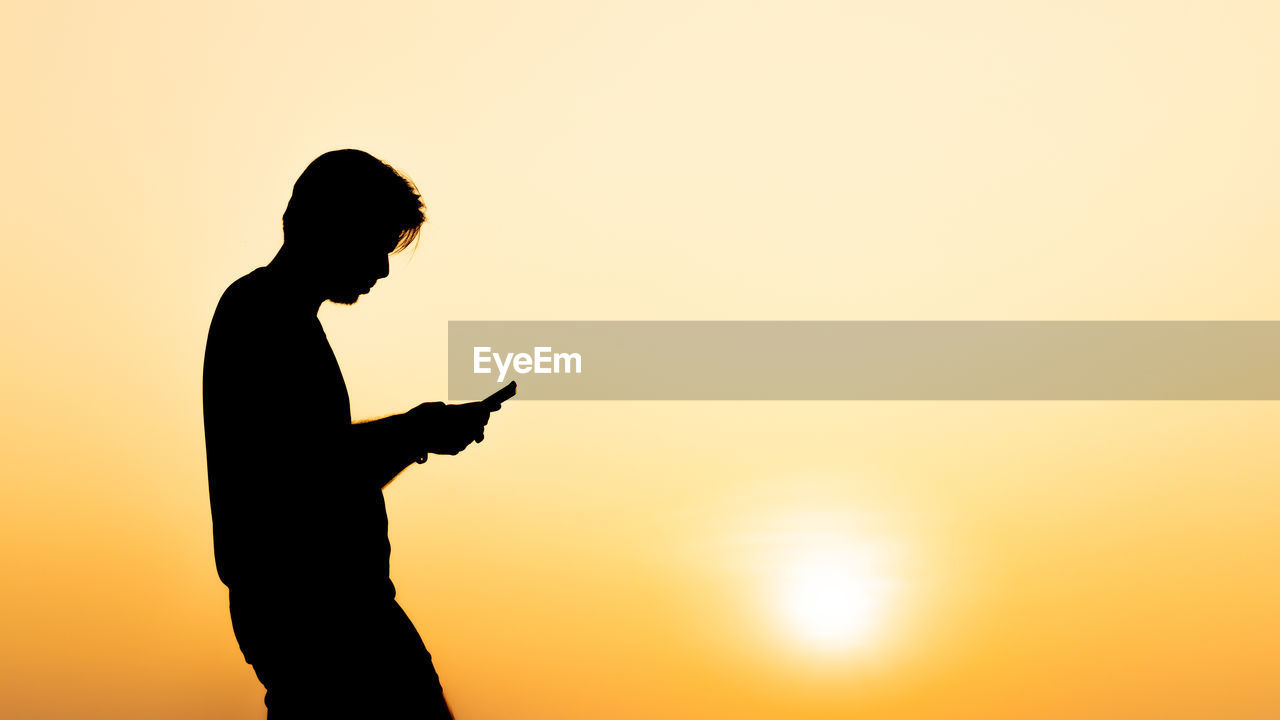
(295, 488)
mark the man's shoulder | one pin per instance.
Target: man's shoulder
(249, 306)
(252, 297)
(246, 291)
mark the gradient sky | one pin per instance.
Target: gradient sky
(660, 161)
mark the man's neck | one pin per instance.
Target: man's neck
(293, 277)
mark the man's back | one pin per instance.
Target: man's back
(291, 517)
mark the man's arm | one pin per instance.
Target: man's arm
(381, 449)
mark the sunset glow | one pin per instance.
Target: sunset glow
(833, 597)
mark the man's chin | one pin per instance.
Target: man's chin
(346, 298)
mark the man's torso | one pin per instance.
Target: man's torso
(290, 517)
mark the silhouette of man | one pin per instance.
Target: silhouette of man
(295, 488)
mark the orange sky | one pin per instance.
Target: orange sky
(661, 160)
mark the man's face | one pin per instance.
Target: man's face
(357, 262)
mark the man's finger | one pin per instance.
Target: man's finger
(481, 411)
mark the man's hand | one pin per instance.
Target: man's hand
(449, 429)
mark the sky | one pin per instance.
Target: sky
(689, 160)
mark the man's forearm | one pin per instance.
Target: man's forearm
(381, 449)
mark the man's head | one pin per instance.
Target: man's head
(348, 212)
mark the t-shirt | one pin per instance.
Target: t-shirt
(291, 513)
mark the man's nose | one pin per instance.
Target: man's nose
(384, 269)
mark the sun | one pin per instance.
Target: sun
(833, 597)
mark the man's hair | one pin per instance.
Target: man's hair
(351, 189)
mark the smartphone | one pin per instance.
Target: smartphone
(494, 401)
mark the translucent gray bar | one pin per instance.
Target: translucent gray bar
(871, 360)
